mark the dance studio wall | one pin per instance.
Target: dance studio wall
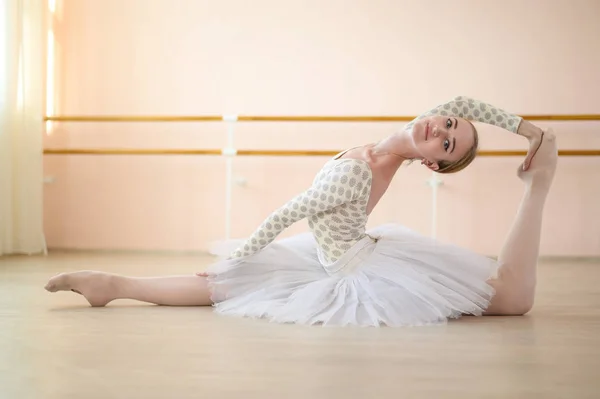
(267, 57)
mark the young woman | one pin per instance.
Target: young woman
(343, 274)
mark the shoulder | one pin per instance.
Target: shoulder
(351, 167)
(347, 177)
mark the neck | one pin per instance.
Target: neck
(390, 153)
(399, 146)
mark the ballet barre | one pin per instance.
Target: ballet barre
(230, 151)
(273, 153)
(296, 118)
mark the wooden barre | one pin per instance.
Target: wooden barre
(299, 118)
(125, 151)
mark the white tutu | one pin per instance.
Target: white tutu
(401, 279)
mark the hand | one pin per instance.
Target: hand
(534, 145)
(535, 135)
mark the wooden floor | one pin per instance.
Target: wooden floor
(53, 346)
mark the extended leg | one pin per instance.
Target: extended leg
(101, 288)
(516, 280)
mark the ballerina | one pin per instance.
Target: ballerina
(341, 273)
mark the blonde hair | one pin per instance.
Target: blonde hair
(457, 166)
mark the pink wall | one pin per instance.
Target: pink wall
(310, 57)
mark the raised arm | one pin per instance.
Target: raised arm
(474, 110)
(320, 197)
(478, 111)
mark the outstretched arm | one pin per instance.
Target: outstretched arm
(322, 196)
(474, 110)
(478, 111)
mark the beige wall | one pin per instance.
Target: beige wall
(333, 57)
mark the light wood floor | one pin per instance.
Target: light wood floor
(53, 346)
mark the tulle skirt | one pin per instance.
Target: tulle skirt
(393, 277)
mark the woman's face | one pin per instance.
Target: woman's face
(442, 138)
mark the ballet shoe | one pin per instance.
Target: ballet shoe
(96, 287)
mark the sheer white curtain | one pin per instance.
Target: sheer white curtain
(22, 66)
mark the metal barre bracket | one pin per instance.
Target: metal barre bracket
(229, 152)
(230, 118)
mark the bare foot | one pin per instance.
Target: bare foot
(97, 287)
(543, 164)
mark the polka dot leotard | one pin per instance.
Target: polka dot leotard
(336, 202)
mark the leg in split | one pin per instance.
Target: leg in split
(516, 279)
(101, 288)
